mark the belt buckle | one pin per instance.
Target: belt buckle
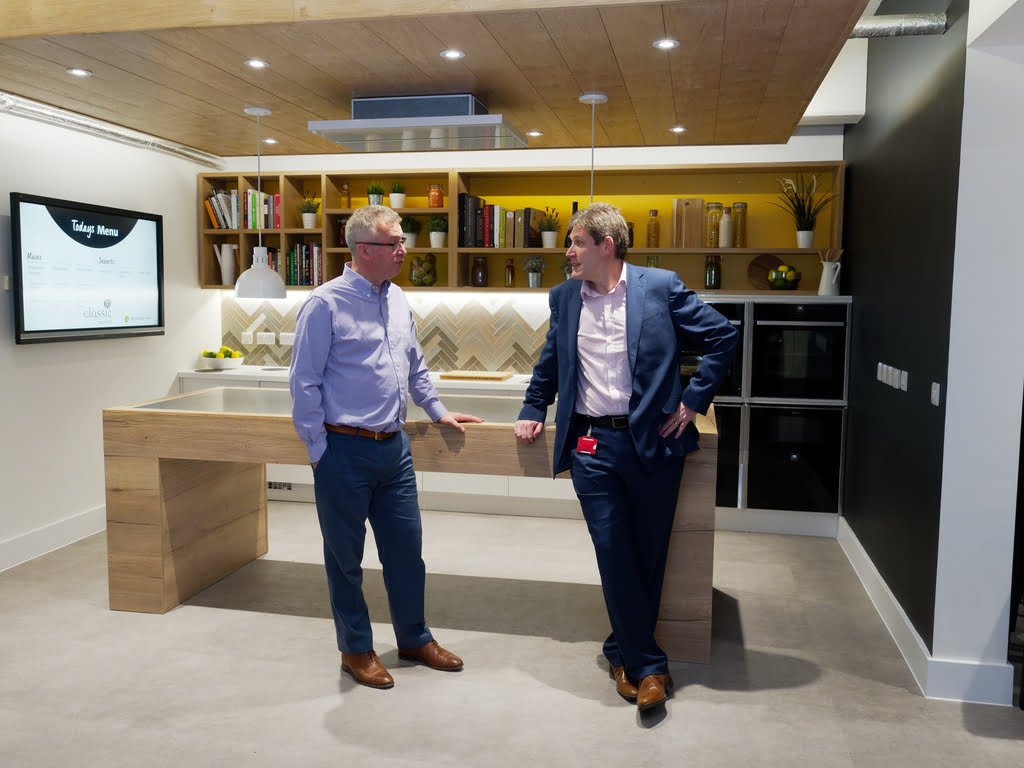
(380, 435)
(620, 422)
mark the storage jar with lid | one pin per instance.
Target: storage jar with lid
(478, 276)
(712, 271)
(435, 196)
(712, 217)
(739, 225)
(653, 229)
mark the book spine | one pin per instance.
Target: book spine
(213, 217)
(234, 209)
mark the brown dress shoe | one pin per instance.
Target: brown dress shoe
(433, 655)
(623, 686)
(366, 669)
(654, 689)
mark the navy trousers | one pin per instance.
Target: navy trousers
(358, 480)
(629, 506)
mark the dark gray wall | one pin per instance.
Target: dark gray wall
(903, 161)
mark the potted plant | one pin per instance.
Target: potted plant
(309, 207)
(437, 226)
(549, 228)
(804, 202)
(375, 193)
(397, 195)
(410, 228)
(534, 266)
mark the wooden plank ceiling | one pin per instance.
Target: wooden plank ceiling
(744, 72)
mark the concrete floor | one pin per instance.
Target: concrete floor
(246, 673)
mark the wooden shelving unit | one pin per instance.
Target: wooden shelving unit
(634, 191)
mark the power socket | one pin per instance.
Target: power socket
(266, 337)
(286, 339)
(247, 337)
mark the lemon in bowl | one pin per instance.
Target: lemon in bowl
(783, 278)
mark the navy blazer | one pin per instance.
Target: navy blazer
(663, 318)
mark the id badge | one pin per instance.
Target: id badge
(586, 444)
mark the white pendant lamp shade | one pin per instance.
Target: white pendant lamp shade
(259, 281)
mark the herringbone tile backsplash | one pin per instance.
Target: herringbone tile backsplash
(490, 332)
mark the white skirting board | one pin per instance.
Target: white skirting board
(938, 678)
(27, 546)
(781, 521)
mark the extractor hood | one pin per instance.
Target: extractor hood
(419, 124)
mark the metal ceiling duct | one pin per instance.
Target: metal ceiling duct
(899, 25)
(419, 124)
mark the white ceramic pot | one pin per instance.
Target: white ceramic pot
(410, 239)
(309, 221)
(437, 239)
(549, 239)
(397, 200)
(804, 238)
(533, 279)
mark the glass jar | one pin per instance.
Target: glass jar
(712, 217)
(629, 232)
(435, 196)
(712, 271)
(739, 224)
(652, 260)
(478, 275)
(346, 195)
(653, 229)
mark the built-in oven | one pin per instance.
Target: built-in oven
(799, 351)
(794, 458)
(690, 359)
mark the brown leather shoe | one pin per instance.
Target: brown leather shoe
(433, 655)
(366, 669)
(623, 686)
(654, 689)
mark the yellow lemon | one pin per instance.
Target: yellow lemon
(790, 276)
(782, 268)
(219, 355)
(236, 354)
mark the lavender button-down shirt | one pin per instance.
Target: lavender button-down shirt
(356, 360)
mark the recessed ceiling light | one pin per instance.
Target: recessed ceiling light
(269, 140)
(453, 54)
(534, 134)
(78, 72)
(256, 63)
(678, 129)
(666, 44)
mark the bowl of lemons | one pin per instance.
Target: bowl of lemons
(222, 359)
(783, 278)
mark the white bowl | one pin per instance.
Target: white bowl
(222, 363)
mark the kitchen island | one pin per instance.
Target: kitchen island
(186, 494)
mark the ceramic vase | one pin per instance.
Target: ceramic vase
(309, 221)
(804, 238)
(549, 239)
(437, 239)
(397, 200)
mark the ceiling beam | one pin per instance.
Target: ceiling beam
(38, 18)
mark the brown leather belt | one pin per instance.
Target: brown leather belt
(342, 429)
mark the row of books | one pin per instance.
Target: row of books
(226, 209)
(492, 226)
(304, 265)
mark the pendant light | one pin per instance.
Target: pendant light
(259, 281)
(593, 98)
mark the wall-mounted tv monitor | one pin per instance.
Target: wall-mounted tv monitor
(84, 271)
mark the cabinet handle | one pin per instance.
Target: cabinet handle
(804, 323)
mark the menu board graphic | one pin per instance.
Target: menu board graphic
(85, 270)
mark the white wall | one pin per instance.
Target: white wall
(983, 15)
(985, 381)
(52, 395)
(841, 97)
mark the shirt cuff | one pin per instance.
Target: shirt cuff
(435, 410)
(317, 449)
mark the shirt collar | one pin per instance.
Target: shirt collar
(587, 291)
(361, 285)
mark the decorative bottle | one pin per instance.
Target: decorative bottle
(510, 273)
(478, 276)
(568, 230)
(725, 229)
(346, 195)
(653, 230)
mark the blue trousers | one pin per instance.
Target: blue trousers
(358, 480)
(629, 506)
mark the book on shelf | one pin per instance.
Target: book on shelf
(520, 221)
(510, 228)
(531, 227)
(234, 209)
(213, 216)
(222, 221)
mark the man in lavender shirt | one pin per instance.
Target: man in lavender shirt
(354, 364)
(624, 424)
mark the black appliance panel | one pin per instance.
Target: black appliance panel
(799, 351)
(728, 478)
(689, 360)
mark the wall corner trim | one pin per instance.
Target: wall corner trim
(27, 546)
(964, 680)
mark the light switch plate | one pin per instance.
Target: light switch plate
(7, 282)
(247, 337)
(904, 379)
(879, 372)
(286, 339)
(265, 337)
(936, 393)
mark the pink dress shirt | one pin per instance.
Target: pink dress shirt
(604, 382)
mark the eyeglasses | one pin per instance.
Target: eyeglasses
(393, 245)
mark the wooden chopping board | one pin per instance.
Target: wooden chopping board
(477, 375)
(759, 268)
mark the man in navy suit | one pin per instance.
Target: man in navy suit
(624, 424)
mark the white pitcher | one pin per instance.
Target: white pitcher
(226, 258)
(829, 285)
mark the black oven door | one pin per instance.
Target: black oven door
(689, 360)
(799, 351)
